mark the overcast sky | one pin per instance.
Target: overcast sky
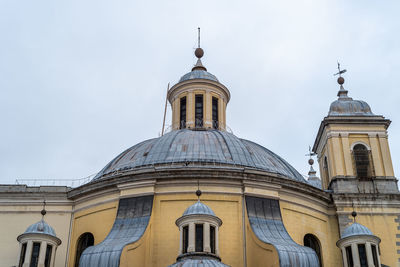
(81, 81)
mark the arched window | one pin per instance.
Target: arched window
(326, 170)
(362, 161)
(84, 241)
(198, 111)
(312, 242)
(215, 121)
(182, 113)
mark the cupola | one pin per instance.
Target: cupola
(198, 100)
(359, 246)
(38, 245)
(198, 229)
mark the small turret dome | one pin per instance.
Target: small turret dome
(198, 74)
(356, 229)
(199, 208)
(349, 107)
(346, 106)
(41, 227)
(199, 262)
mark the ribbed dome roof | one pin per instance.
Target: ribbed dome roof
(41, 227)
(206, 262)
(356, 229)
(349, 107)
(198, 74)
(205, 149)
(198, 208)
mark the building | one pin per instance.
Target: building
(200, 196)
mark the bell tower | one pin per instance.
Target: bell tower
(198, 100)
(352, 147)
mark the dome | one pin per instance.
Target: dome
(199, 208)
(349, 107)
(40, 227)
(356, 229)
(198, 74)
(203, 149)
(206, 262)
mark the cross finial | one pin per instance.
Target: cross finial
(340, 72)
(310, 153)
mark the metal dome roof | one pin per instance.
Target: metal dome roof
(199, 208)
(198, 74)
(346, 106)
(41, 227)
(206, 262)
(349, 107)
(356, 229)
(205, 148)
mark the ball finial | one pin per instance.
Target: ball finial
(354, 214)
(199, 52)
(311, 161)
(198, 193)
(43, 212)
(340, 80)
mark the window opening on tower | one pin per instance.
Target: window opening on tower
(199, 111)
(326, 170)
(182, 113)
(212, 239)
(362, 161)
(199, 238)
(185, 239)
(215, 113)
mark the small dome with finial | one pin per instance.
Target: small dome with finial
(356, 229)
(345, 105)
(198, 70)
(199, 208)
(41, 227)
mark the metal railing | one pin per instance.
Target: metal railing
(55, 182)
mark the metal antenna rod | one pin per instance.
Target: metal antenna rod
(198, 41)
(165, 112)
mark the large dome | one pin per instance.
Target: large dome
(211, 148)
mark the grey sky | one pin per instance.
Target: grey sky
(81, 81)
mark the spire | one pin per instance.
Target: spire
(312, 174)
(342, 94)
(199, 53)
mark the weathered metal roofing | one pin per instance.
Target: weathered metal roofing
(266, 222)
(316, 182)
(132, 219)
(198, 208)
(215, 147)
(198, 74)
(356, 229)
(350, 107)
(199, 263)
(41, 227)
(346, 106)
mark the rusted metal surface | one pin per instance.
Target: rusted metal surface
(266, 222)
(204, 148)
(132, 219)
